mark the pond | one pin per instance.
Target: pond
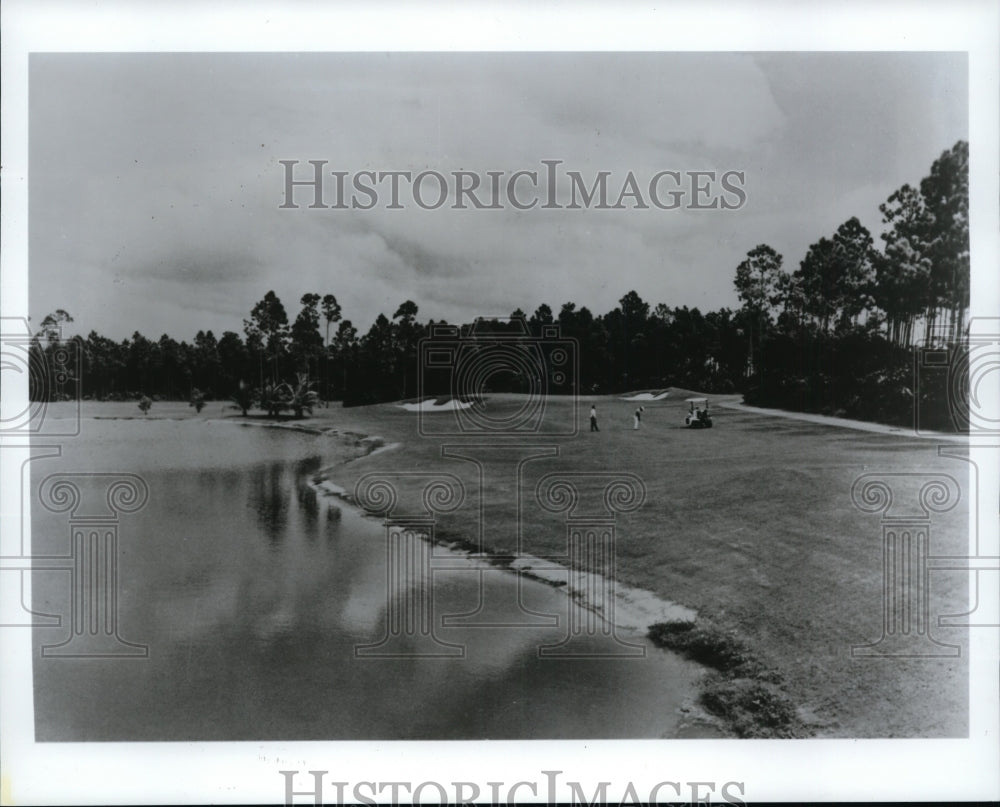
(253, 594)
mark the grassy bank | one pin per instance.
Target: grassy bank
(749, 698)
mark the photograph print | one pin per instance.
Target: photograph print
(548, 395)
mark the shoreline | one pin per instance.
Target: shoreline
(635, 610)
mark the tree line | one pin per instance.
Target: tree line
(837, 334)
(631, 345)
(843, 332)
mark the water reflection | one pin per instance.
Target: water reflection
(308, 501)
(252, 622)
(269, 497)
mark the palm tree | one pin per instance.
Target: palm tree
(301, 397)
(331, 312)
(273, 398)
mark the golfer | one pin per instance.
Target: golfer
(593, 418)
(638, 418)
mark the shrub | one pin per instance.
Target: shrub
(144, 404)
(273, 399)
(706, 645)
(243, 398)
(197, 400)
(754, 708)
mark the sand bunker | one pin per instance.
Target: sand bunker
(646, 396)
(431, 406)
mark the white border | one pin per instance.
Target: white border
(110, 773)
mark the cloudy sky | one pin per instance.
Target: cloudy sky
(155, 184)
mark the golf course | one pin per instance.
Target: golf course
(750, 525)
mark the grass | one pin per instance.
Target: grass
(750, 523)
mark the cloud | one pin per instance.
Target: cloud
(155, 183)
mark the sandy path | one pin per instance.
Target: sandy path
(845, 423)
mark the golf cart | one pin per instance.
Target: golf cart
(698, 416)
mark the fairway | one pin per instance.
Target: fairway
(750, 523)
